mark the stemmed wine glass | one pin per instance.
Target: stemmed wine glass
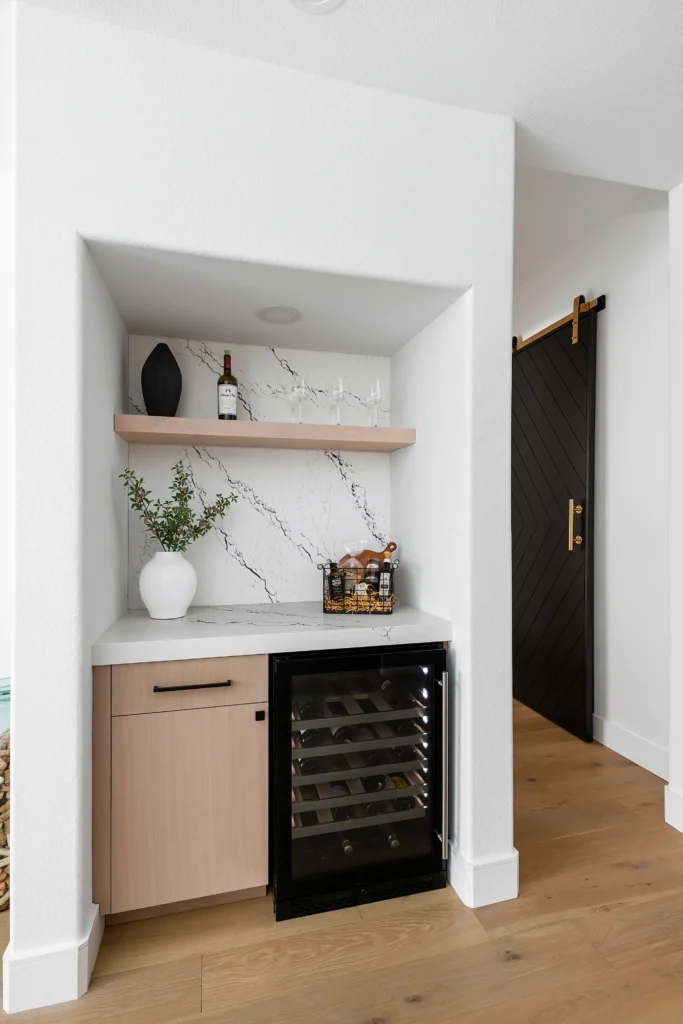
(373, 404)
(299, 394)
(336, 396)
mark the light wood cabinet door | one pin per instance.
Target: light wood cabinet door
(189, 804)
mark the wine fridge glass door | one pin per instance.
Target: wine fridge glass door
(365, 767)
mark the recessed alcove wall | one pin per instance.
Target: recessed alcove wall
(295, 508)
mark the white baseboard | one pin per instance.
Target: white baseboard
(51, 976)
(485, 882)
(629, 744)
(673, 808)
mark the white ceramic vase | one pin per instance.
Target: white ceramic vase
(167, 585)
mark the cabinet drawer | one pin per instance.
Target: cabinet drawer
(204, 683)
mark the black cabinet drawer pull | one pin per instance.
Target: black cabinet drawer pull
(192, 686)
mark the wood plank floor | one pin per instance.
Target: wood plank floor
(596, 936)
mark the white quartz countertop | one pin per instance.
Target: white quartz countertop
(259, 629)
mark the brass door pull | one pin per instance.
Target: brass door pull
(574, 510)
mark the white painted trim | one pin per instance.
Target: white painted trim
(673, 808)
(479, 884)
(51, 976)
(629, 744)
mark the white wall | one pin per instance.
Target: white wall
(294, 509)
(128, 138)
(105, 455)
(432, 511)
(104, 526)
(582, 236)
(6, 326)
(674, 791)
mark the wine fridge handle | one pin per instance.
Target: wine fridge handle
(192, 686)
(443, 683)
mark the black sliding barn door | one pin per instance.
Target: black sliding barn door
(553, 415)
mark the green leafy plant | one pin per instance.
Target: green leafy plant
(174, 522)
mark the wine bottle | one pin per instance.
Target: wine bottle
(311, 737)
(374, 783)
(346, 845)
(227, 391)
(392, 838)
(404, 727)
(344, 812)
(404, 754)
(375, 808)
(402, 803)
(374, 759)
(343, 734)
(311, 710)
(311, 766)
(398, 699)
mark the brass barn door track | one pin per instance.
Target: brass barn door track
(580, 308)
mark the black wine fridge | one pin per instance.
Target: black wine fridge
(360, 791)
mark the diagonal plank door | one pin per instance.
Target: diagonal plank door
(553, 413)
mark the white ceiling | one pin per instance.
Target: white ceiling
(596, 86)
(174, 295)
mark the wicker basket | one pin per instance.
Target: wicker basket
(358, 597)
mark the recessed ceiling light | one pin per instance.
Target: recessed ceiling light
(279, 314)
(317, 6)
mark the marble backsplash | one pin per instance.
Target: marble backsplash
(294, 508)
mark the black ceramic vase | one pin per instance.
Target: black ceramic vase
(161, 381)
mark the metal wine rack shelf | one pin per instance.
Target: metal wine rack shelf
(356, 772)
(359, 795)
(332, 749)
(301, 831)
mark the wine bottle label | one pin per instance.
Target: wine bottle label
(227, 400)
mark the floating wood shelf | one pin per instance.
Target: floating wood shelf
(252, 434)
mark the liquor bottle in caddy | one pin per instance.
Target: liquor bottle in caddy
(385, 578)
(227, 390)
(335, 583)
(372, 574)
